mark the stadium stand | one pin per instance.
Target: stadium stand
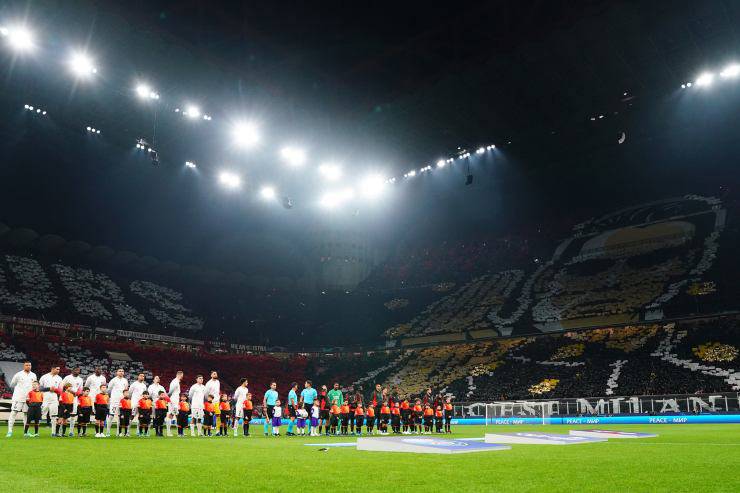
(633, 360)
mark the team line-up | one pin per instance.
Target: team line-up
(71, 406)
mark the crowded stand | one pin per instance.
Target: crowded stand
(635, 360)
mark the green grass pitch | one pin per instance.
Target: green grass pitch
(692, 458)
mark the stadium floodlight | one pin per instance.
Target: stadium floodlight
(245, 134)
(411, 173)
(441, 163)
(372, 186)
(480, 150)
(293, 156)
(330, 171)
(705, 79)
(730, 72)
(19, 38)
(267, 193)
(333, 199)
(190, 164)
(207, 118)
(229, 180)
(192, 111)
(146, 92)
(82, 65)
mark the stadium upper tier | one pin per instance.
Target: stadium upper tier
(699, 357)
(665, 259)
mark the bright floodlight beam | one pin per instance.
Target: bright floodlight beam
(705, 79)
(330, 171)
(267, 193)
(731, 71)
(146, 92)
(245, 134)
(192, 111)
(19, 38)
(229, 180)
(372, 186)
(293, 156)
(82, 65)
(331, 200)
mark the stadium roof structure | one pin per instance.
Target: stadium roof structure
(398, 87)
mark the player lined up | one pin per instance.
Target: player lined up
(70, 406)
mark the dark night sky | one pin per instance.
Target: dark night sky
(394, 85)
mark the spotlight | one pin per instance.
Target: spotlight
(229, 180)
(145, 92)
(480, 150)
(705, 79)
(683, 86)
(411, 173)
(207, 118)
(372, 186)
(19, 38)
(189, 164)
(331, 172)
(82, 65)
(293, 156)
(245, 134)
(730, 71)
(441, 163)
(689, 84)
(192, 111)
(267, 193)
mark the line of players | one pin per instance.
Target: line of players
(71, 405)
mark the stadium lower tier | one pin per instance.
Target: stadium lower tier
(696, 357)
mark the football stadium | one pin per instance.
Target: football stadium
(480, 246)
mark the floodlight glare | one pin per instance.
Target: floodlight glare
(245, 134)
(267, 193)
(293, 156)
(372, 186)
(192, 111)
(730, 71)
(82, 65)
(229, 180)
(480, 150)
(189, 164)
(331, 172)
(705, 79)
(145, 92)
(331, 200)
(19, 38)
(441, 163)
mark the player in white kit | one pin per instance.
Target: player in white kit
(174, 394)
(94, 381)
(197, 396)
(240, 395)
(136, 389)
(75, 380)
(213, 387)
(116, 386)
(21, 385)
(50, 384)
(155, 388)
